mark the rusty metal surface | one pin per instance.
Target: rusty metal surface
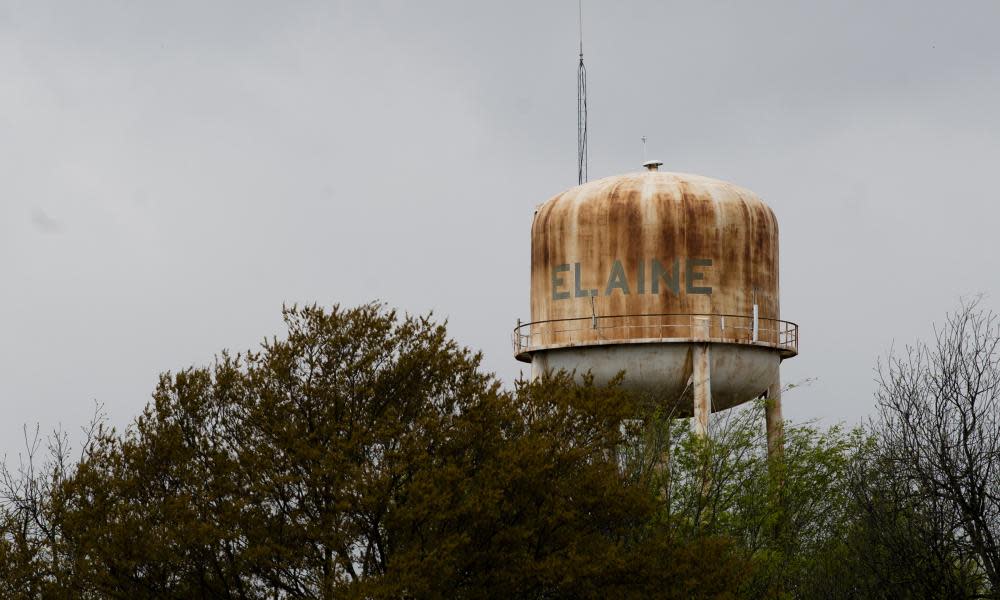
(593, 248)
(782, 336)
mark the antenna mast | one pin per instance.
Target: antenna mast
(581, 109)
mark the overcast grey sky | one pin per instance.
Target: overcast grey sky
(172, 172)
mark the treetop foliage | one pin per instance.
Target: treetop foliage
(365, 454)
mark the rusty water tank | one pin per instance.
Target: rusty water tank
(671, 277)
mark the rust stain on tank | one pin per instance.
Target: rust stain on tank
(599, 242)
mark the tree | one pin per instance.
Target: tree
(935, 470)
(35, 558)
(784, 519)
(366, 455)
(275, 473)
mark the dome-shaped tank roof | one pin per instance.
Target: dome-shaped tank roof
(656, 186)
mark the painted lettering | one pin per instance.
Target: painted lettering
(659, 277)
(580, 293)
(557, 282)
(691, 275)
(617, 279)
(673, 281)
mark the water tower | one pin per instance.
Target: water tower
(672, 278)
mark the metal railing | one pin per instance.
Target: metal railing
(662, 327)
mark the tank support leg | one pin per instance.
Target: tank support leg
(774, 422)
(702, 383)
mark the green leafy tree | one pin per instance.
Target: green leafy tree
(365, 454)
(362, 455)
(783, 517)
